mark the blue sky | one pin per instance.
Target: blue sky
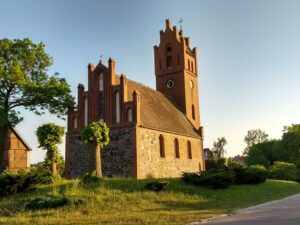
(248, 54)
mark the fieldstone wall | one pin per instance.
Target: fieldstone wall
(117, 158)
(77, 162)
(152, 165)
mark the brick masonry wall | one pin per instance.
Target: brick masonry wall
(117, 158)
(150, 164)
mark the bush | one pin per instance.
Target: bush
(90, 178)
(157, 186)
(284, 171)
(251, 175)
(210, 179)
(46, 203)
(215, 165)
(12, 182)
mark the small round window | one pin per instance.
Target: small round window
(168, 47)
(191, 84)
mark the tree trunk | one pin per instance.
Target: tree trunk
(95, 159)
(3, 139)
(53, 166)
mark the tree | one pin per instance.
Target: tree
(49, 136)
(218, 148)
(288, 149)
(254, 137)
(24, 83)
(97, 136)
(262, 153)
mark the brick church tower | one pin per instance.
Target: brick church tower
(176, 71)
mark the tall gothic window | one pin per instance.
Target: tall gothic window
(193, 112)
(176, 148)
(189, 64)
(101, 83)
(101, 107)
(189, 150)
(160, 64)
(192, 66)
(75, 122)
(117, 98)
(161, 146)
(129, 115)
(169, 62)
(85, 111)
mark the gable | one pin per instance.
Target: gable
(160, 112)
(17, 142)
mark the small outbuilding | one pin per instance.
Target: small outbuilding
(17, 152)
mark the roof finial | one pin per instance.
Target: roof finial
(180, 22)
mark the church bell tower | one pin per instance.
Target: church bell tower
(176, 71)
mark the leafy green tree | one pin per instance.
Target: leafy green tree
(218, 148)
(254, 137)
(97, 136)
(24, 83)
(288, 149)
(49, 136)
(262, 153)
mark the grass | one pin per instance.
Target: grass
(125, 202)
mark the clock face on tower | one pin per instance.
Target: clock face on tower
(170, 83)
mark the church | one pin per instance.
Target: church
(153, 133)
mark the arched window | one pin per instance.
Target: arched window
(161, 146)
(101, 83)
(85, 111)
(129, 115)
(117, 98)
(75, 122)
(192, 66)
(189, 150)
(189, 64)
(169, 62)
(193, 112)
(176, 148)
(101, 107)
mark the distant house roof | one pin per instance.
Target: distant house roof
(21, 139)
(161, 112)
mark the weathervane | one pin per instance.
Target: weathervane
(180, 22)
(101, 57)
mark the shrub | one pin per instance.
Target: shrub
(251, 175)
(46, 203)
(215, 165)
(157, 186)
(90, 178)
(41, 175)
(233, 165)
(12, 182)
(210, 179)
(284, 171)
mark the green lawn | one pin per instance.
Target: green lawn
(123, 201)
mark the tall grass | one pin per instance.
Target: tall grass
(125, 201)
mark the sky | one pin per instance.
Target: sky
(248, 55)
